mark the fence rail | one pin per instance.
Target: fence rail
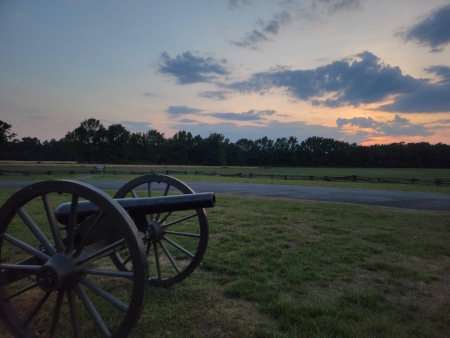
(351, 178)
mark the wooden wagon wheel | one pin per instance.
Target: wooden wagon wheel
(56, 281)
(175, 241)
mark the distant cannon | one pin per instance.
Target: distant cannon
(74, 260)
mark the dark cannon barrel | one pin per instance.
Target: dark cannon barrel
(144, 205)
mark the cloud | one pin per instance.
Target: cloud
(251, 40)
(333, 6)
(234, 4)
(361, 80)
(150, 94)
(442, 71)
(182, 110)
(251, 115)
(289, 10)
(399, 126)
(442, 121)
(433, 31)
(362, 122)
(35, 117)
(214, 95)
(272, 130)
(266, 29)
(364, 128)
(188, 68)
(428, 98)
(273, 26)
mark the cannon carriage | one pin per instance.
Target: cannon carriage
(75, 261)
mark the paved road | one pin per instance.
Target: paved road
(389, 198)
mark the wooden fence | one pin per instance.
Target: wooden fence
(351, 178)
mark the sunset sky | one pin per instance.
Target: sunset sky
(364, 71)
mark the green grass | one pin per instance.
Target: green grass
(82, 172)
(281, 268)
(285, 268)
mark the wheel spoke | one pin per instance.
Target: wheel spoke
(166, 191)
(36, 309)
(127, 260)
(19, 292)
(56, 313)
(23, 267)
(36, 231)
(169, 256)
(74, 313)
(150, 194)
(178, 233)
(179, 247)
(53, 224)
(102, 252)
(24, 246)
(89, 233)
(104, 294)
(179, 220)
(165, 217)
(149, 245)
(110, 273)
(157, 262)
(92, 311)
(72, 223)
(133, 194)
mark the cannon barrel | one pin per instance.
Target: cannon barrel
(144, 205)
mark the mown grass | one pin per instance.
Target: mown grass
(284, 268)
(83, 172)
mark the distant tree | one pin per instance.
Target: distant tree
(148, 148)
(196, 151)
(86, 140)
(117, 138)
(214, 149)
(54, 150)
(5, 134)
(28, 149)
(244, 149)
(444, 154)
(155, 144)
(264, 151)
(179, 147)
(326, 152)
(92, 142)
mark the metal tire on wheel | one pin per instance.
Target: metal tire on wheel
(56, 280)
(175, 241)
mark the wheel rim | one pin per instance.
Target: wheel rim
(54, 277)
(175, 242)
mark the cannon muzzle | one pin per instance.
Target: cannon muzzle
(142, 206)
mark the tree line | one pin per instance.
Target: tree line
(91, 142)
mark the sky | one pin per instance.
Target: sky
(359, 71)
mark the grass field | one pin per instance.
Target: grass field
(225, 174)
(284, 268)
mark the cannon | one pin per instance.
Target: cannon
(75, 261)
